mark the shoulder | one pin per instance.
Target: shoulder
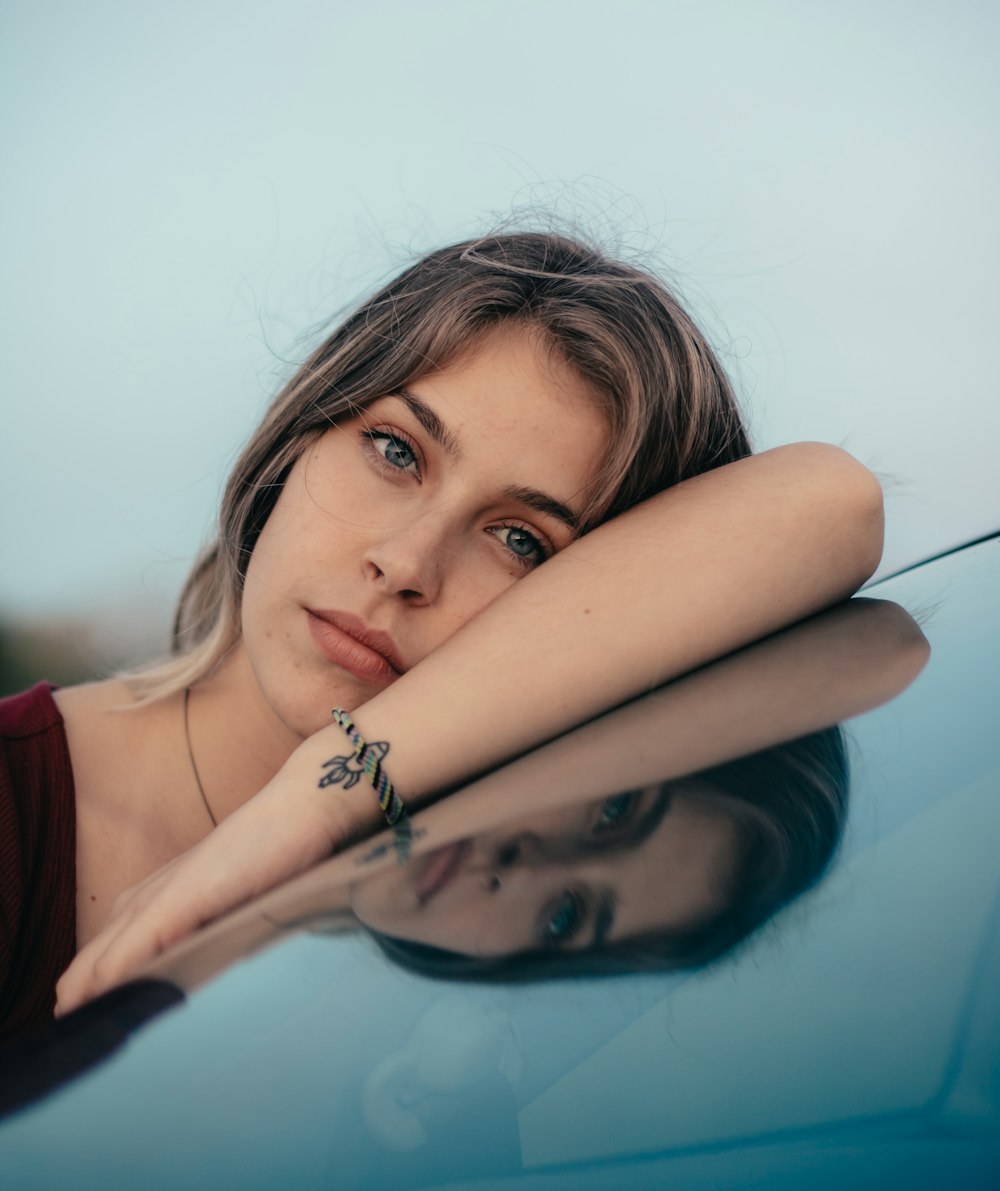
(37, 855)
(34, 754)
(92, 698)
(36, 777)
(30, 713)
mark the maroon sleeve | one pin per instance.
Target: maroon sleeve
(37, 857)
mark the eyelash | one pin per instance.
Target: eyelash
(568, 900)
(630, 799)
(540, 551)
(372, 437)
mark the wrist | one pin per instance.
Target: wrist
(364, 764)
(330, 786)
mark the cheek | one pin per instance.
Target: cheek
(495, 924)
(482, 932)
(385, 902)
(469, 921)
(477, 583)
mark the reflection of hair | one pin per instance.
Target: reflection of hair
(669, 405)
(788, 805)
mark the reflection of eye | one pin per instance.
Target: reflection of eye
(616, 811)
(562, 919)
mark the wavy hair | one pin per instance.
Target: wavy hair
(670, 408)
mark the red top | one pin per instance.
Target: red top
(37, 857)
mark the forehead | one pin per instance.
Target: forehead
(511, 412)
(679, 874)
(513, 376)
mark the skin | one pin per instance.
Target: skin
(828, 668)
(572, 878)
(376, 519)
(412, 536)
(710, 565)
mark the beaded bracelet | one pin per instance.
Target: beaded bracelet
(370, 759)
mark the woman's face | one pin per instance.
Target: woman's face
(571, 879)
(400, 524)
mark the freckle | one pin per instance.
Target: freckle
(93, 897)
(586, 611)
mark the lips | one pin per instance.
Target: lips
(349, 643)
(439, 868)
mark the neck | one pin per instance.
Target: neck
(238, 742)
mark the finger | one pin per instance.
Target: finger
(115, 955)
(145, 922)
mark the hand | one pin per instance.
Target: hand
(278, 833)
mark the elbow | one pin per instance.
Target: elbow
(849, 498)
(866, 516)
(893, 638)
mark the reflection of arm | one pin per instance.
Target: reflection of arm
(829, 668)
(699, 570)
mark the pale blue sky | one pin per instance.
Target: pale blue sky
(189, 187)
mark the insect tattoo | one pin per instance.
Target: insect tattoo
(348, 771)
(403, 835)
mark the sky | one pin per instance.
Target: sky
(192, 189)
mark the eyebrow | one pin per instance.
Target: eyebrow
(427, 418)
(541, 503)
(531, 498)
(635, 833)
(604, 916)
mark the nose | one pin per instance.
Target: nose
(528, 865)
(525, 851)
(408, 558)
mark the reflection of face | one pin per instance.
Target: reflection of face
(570, 878)
(401, 523)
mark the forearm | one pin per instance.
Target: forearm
(826, 669)
(694, 573)
(690, 575)
(829, 668)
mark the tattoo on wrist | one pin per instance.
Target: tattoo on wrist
(348, 771)
(403, 835)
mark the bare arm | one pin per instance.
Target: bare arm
(692, 574)
(831, 667)
(697, 571)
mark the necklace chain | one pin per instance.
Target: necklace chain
(194, 766)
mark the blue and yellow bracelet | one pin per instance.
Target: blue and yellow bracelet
(390, 803)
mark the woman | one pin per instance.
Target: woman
(479, 416)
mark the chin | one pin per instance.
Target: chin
(305, 720)
(310, 708)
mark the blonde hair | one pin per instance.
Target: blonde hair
(670, 408)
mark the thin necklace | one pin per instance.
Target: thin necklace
(194, 767)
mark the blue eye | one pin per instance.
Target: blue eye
(392, 449)
(562, 920)
(616, 811)
(523, 544)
